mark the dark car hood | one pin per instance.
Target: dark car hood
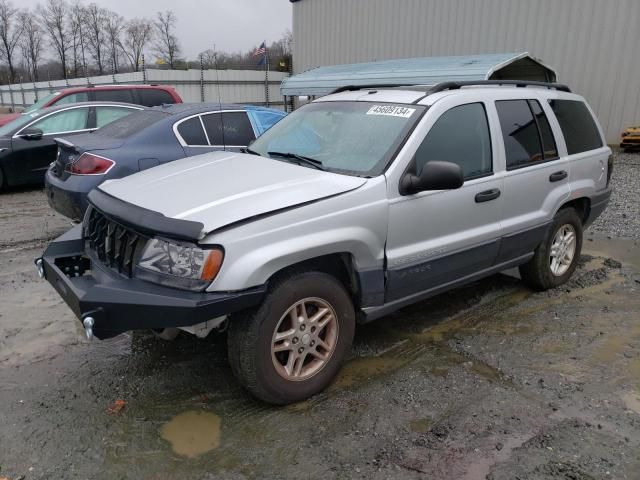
(89, 141)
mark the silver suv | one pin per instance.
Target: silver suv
(353, 206)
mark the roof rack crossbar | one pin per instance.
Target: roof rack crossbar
(518, 83)
(455, 85)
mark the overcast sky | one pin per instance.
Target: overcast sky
(232, 25)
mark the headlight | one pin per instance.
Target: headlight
(179, 265)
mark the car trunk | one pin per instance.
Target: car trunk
(69, 150)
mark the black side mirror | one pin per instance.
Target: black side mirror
(31, 133)
(435, 175)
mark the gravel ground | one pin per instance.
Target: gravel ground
(622, 217)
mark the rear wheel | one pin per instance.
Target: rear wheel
(557, 256)
(294, 344)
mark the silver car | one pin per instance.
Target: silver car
(353, 206)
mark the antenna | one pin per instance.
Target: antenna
(215, 64)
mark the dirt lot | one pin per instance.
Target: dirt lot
(488, 381)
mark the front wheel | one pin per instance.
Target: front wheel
(294, 344)
(556, 258)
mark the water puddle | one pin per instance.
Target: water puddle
(625, 250)
(632, 401)
(192, 433)
(421, 425)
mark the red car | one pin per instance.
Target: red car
(146, 95)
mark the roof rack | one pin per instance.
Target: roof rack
(518, 83)
(456, 85)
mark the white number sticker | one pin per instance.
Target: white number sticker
(391, 111)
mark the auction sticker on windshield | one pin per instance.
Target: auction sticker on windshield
(391, 111)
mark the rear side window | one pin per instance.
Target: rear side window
(132, 124)
(151, 97)
(549, 148)
(229, 128)
(192, 133)
(522, 142)
(577, 124)
(118, 95)
(460, 135)
(106, 115)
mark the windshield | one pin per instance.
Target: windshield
(357, 138)
(132, 124)
(40, 103)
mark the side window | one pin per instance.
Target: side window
(578, 126)
(116, 95)
(461, 135)
(150, 97)
(229, 128)
(520, 133)
(192, 133)
(73, 98)
(549, 148)
(105, 115)
(65, 121)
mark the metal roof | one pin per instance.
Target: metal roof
(419, 71)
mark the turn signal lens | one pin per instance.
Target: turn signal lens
(89, 164)
(212, 265)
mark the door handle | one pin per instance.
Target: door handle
(557, 176)
(487, 195)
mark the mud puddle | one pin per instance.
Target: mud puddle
(192, 433)
(624, 250)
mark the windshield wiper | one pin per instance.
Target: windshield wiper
(248, 150)
(301, 158)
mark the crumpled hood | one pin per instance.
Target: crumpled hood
(221, 188)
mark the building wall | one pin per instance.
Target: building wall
(592, 44)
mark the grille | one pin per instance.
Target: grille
(112, 244)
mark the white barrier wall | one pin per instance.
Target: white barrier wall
(230, 86)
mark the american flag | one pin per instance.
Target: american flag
(261, 50)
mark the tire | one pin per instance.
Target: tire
(276, 376)
(538, 273)
(1, 180)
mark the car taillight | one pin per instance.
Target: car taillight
(89, 164)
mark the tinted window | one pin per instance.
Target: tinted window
(578, 127)
(105, 115)
(132, 124)
(152, 97)
(119, 95)
(236, 126)
(192, 133)
(520, 133)
(73, 98)
(460, 135)
(546, 135)
(65, 121)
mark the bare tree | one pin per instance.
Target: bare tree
(10, 33)
(137, 34)
(114, 26)
(77, 16)
(54, 15)
(31, 44)
(96, 34)
(166, 46)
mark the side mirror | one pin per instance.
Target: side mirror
(31, 133)
(435, 175)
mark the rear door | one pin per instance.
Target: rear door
(34, 156)
(439, 237)
(536, 180)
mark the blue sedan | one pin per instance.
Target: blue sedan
(145, 139)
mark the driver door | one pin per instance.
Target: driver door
(34, 156)
(436, 238)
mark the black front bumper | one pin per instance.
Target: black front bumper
(118, 304)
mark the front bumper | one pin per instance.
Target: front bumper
(118, 304)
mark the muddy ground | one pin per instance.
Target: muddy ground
(488, 381)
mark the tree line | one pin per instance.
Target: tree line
(65, 39)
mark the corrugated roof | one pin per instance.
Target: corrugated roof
(417, 71)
